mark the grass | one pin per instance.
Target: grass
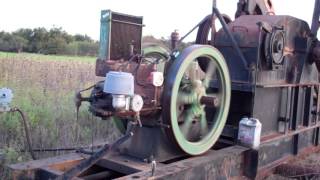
(31, 56)
(44, 88)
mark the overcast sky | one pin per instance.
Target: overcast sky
(160, 17)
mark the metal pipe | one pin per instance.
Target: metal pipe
(315, 18)
(214, 3)
(60, 149)
(26, 130)
(213, 20)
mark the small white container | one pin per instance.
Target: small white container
(250, 132)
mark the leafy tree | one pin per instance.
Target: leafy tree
(10, 42)
(52, 41)
(58, 41)
(80, 37)
(18, 43)
(38, 40)
(55, 45)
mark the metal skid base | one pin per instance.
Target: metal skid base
(234, 162)
(222, 163)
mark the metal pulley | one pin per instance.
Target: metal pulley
(274, 47)
(206, 33)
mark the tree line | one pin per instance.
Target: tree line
(52, 41)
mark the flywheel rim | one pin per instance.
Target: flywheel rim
(186, 57)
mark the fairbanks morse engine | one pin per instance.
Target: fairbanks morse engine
(183, 102)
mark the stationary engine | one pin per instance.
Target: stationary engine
(243, 98)
(180, 100)
(163, 93)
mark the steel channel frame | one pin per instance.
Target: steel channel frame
(214, 163)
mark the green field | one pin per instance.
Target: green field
(30, 56)
(44, 87)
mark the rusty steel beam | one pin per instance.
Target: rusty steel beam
(212, 165)
(28, 169)
(315, 19)
(226, 163)
(84, 165)
(286, 85)
(124, 164)
(278, 136)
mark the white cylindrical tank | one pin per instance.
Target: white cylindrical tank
(250, 132)
(119, 83)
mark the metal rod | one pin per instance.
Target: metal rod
(26, 130)
(195, 27)
(213, 25)
(214, 3)
(233, 41)
(51, 149)
(285, 85)
(59, 149)
(315, 18)
(85, 164)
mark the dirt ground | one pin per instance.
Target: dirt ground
(277, 177)
(312, 160)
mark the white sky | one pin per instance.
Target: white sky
(160, 17)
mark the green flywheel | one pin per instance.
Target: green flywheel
(195, 102)
(155, 51)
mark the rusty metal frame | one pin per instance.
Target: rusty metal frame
(227, 162)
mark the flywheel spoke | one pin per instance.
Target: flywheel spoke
(192, 73)
(185, 127)
(209, 73)
(203, 123)
(185, 98)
